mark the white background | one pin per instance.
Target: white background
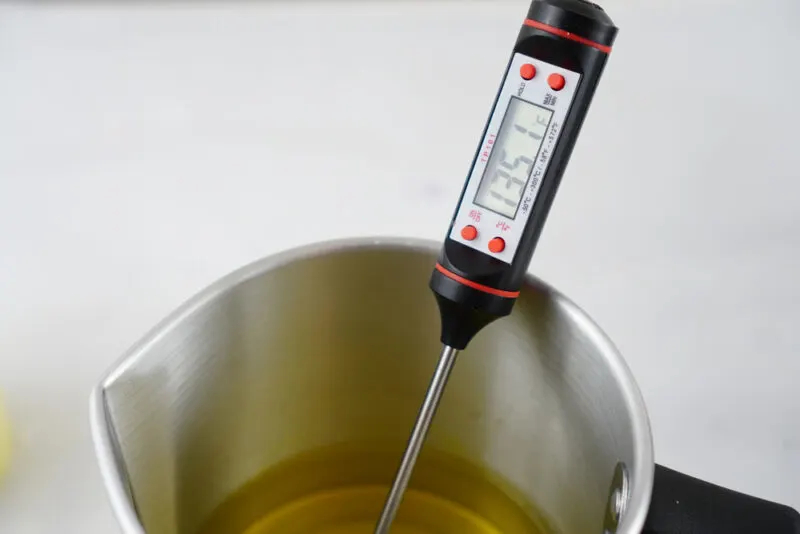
(147, 151)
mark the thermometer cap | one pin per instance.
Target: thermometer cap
(578, 17)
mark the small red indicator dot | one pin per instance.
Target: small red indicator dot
(469, 232)
(497, 245)
(527, 71)
(556, 82)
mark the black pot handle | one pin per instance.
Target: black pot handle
(681, 504)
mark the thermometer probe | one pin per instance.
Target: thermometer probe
(537, 114)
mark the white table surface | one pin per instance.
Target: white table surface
(147, 151)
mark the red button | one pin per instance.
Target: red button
(497, 245)
(469, 232)
(527, 71)
(556, 81)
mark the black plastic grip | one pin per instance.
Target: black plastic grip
(682, 504)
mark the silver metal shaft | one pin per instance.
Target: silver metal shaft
(417, 439)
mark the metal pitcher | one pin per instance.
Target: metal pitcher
(313, 346)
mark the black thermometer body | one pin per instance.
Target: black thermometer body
(537, 114)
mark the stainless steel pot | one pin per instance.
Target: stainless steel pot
(336, 342)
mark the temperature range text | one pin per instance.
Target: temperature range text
(538, 170)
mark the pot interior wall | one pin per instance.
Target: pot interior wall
(338, 347)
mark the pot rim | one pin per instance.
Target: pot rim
(115, 479)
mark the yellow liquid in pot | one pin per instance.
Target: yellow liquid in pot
(340, 491)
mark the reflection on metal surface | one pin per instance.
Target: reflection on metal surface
(617, 500)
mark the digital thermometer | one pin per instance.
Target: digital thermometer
(549, 82)
(535, 120)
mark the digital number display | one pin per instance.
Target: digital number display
(515, 149)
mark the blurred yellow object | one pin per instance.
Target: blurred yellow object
(5, 439)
